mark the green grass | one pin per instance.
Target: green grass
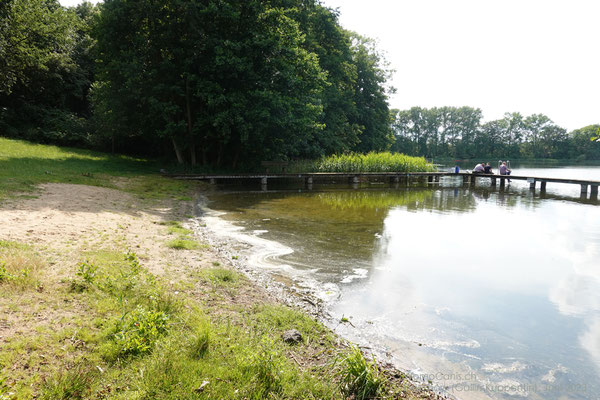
(20, 266)
(184, 243)
(24, 165)
(175, 228)
(371, 162)
(147, 344)
(362, 377)
(219, 275)
(73, 384)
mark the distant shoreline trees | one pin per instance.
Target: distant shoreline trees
(458, 132)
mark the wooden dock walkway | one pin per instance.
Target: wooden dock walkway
(395, 177)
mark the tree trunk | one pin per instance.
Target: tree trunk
(236, 157)
(219, 155)
(189, 123)
(177, 151)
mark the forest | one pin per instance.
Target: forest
(228, 83)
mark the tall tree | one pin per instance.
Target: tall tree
(230, 77)
(43, 86)
(371, 97)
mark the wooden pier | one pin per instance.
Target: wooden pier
(355, 178)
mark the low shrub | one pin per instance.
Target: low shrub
(137, 331)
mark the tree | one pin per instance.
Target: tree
(34, 35)
(543, 138)
(43, 86)
(231, 77)
(585, 144)
(371, 97)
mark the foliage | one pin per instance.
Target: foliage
(460, 133)
(46, 70)
(370, 97)
(371, 162)
(87, 271)
(287, 82)
(585, 143)
(137, 331)
(362, 377)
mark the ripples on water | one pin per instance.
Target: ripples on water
(488, 293)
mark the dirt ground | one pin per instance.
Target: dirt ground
(65, 221)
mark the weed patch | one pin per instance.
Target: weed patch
(184, 243)
(362, 377)
(220, 276)
(19, 266)
(137, 331)
(73, 384)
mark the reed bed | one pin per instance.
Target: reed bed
(370, 162)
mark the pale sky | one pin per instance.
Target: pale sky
(531, 56)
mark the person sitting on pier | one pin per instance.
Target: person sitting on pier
(504, 170)
(479, 169)
(488, 169)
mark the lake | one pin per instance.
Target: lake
(486, 293)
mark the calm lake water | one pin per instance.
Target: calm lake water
(486, 293)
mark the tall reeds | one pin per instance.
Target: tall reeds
(370, 162)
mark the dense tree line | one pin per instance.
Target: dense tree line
(45, 71)
(228, 83)
(216, 82)
(458, 132)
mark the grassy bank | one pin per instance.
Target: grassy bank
(24, 166)
(371, 162)
(107, 294)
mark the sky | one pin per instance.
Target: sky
(527, 56)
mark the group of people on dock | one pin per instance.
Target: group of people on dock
(486, 168)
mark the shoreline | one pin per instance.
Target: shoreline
(289, 294)
(66, 227)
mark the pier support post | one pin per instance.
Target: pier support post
(594, 192)
(531, 184)
(430, 179)
(436, 178)
(407, 179)
(493, 182)
(502, 183)
(473, 178)
(543, 186)
(584, 188)
(465, 179)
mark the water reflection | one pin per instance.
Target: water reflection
(500, 284)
